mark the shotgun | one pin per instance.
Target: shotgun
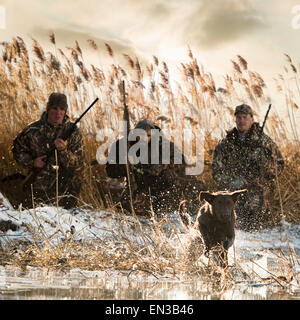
(130, 176)
(265, 119)
(254, 163)
(65, 135)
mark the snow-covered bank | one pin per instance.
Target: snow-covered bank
(53, 224)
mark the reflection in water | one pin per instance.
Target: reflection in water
(101, 285)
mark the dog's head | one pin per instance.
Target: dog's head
(222, 202)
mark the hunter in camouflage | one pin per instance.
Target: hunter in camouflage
(157, 185)
(33, 143)
(248, 158)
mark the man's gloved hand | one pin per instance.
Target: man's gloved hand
(153, 169)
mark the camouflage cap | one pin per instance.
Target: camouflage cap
(57, 99)
(244, 108)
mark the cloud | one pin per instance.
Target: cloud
(66, 37)
(143, 24)
(212, 24)
(158, 27)
(69, 21)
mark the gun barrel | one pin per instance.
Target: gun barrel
(84, 113)
(265, 119)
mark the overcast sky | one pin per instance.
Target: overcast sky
(216, 30)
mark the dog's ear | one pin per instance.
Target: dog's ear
(183, 215)
(182, 206)
(207, 196)
(237, 193)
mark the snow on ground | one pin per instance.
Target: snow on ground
(52, 224)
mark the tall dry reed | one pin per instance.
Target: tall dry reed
(29, 75)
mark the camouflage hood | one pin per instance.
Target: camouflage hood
(146, 124)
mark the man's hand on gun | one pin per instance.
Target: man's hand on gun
(39, 163)
(60, 144)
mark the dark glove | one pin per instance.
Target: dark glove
(152, 169)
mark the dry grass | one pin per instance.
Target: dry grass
(29, 75)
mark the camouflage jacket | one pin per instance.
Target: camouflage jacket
(147, 174)
(253, 161)
(36, 140)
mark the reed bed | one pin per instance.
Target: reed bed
(195, 101)
(29, 75)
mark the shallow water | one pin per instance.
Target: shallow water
(268, 258)
(253, 255)
(77, 284)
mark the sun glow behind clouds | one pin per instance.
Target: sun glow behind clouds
(259, 31)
